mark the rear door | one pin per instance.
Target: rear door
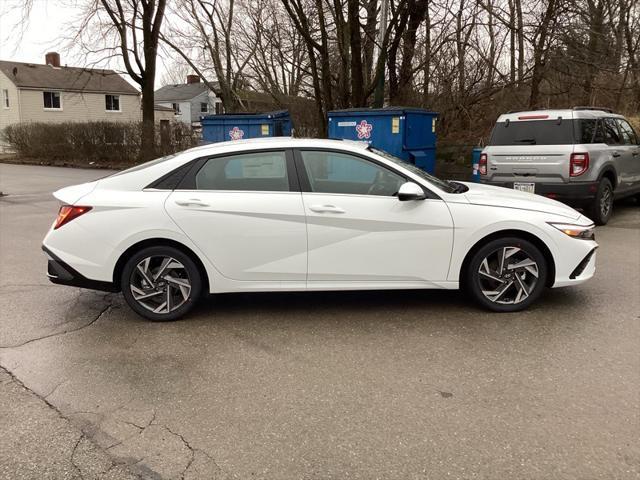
(630, 151)
(616, 152)
(533, 148)
(245, 212)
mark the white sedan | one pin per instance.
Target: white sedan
(288, 214)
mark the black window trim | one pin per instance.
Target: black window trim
(188, 182)
(305, 184)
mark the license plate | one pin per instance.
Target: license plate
(525, 187)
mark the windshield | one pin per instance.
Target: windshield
(441, 184)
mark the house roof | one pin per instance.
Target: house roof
(183, 91)
(31, 75)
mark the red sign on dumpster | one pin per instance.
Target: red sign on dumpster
(364, 130)
(236, 134)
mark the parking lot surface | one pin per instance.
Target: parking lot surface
(393, 385)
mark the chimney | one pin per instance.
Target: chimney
(53, 59)
(193, 79)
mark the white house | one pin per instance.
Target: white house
(53, 93)
(190, 100)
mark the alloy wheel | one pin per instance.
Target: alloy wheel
(161, 284)
(606, 201)
(508, 275)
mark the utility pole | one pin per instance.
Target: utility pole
(378, 98)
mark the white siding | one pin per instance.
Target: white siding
(9, 115)
(78, 107)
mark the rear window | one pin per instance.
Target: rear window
(533, 132)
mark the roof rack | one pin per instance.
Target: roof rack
(603, 109)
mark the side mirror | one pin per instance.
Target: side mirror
(410, 191)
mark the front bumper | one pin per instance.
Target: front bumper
(61, 273)
(574, 193)
(583, 271)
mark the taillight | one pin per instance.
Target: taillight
(68, 213)
(482, 164)
(578, 164)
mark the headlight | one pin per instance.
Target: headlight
(576, 231)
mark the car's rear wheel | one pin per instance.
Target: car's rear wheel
(507, 274)
(601, 208)
(161, 283)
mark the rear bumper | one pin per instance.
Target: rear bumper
(574, 193)
(61, 273)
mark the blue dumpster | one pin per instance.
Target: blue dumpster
(241, 126)
(407, 133)
(475, 164)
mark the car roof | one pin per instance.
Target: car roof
(276, 142)
(552, 114)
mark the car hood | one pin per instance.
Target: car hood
(479, 194)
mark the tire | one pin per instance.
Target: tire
(506, 289)
(165, 287)
(601, 208)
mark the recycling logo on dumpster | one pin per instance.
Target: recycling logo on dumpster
(236, 134)
(364, 130)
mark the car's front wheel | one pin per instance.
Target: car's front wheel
(161, 283)
(507, 274)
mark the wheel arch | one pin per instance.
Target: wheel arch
(548, 256)
(155, 242)
(610, 173)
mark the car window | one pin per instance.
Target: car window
(628, 135)
(589, 130)
(533, 132)
(611, 133)
(333, 172)
(259, 171)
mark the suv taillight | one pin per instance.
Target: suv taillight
(68, 213)
(578, 164)
(482, 164)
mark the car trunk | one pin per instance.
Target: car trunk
(542, 163)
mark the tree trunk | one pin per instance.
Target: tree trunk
(357, 75)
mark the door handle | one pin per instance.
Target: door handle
(615, 154)
(326, 209)
(192, 202)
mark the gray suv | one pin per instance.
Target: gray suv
(583, 156)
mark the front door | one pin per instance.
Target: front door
(245, 213)
(358, 230)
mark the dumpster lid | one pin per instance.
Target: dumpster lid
(379, 111)
(248, 115)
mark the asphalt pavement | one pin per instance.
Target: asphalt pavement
(360, 385)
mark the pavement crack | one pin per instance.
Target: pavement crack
(108, 298)
(73, 453)
(55, 388)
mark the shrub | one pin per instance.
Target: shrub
(109, 143)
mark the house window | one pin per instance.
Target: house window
(204, 107)
(112, 103)
(219, 108)
(5, 98)
(52, 100)
(176, 108)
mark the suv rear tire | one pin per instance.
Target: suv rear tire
(601, 208)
